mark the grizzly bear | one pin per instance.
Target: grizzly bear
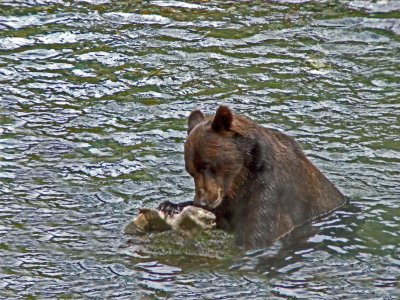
(257, 181)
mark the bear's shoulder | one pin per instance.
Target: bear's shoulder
(284, 138)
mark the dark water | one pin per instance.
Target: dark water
(94, 96)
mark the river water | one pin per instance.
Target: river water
(94, 97)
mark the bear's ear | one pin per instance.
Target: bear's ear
(258, 158)
(223, 119)
(195, 118)
(262, 156)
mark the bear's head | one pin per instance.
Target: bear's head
(218, 155)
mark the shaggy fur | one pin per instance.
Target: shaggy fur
(257, 181)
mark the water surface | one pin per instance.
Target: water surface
(93, 107)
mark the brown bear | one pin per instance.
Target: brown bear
(257, 181)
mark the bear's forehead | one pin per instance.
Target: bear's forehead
(203, 140)
(202, 136)
(205, 143)
(199, 132)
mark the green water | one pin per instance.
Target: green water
(94, 97)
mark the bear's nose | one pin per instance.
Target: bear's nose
(202, 203)
(199, 199)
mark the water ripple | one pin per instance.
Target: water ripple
(94, 100)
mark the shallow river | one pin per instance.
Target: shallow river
(94, 97)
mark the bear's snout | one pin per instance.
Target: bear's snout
(200, 197)
(210, 198)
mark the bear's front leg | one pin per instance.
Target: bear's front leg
(170, 208)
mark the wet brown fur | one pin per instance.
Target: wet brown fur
(267, 184)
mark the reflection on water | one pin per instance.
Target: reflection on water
(94, 96)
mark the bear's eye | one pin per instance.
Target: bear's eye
(203, 167)
(207, 168)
